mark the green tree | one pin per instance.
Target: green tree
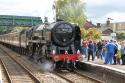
(121, 35)
(71, 11)
(16, 29)
(5, 29)
(83, 33)
(90, 34)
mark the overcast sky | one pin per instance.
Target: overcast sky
(96, 10)
(27, 8)
(100, 10)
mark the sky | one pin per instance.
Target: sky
(96, 10)
(39, 8)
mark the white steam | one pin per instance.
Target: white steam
(47, 66)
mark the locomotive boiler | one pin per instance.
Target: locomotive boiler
(58, 42)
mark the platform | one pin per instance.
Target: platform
(117, 67)
(106, 72)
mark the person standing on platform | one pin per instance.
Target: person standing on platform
(94, 49)
(110, 48)
(85, 48)
(104, 42)
(123, 53)
(115, 53)
(99, 49)
(103, 48)
(90, 50)
(119, 53)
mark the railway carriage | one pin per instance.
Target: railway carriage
(58, 42)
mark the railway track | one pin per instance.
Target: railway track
(68, 77)
(44, 77)
(76, 77)
(4, 75)
(87, 77)
(16, 72)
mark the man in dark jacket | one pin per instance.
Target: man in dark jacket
(90, 50)
(115, 52)
(99, 51)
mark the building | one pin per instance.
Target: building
(108, 28)
(88, 24)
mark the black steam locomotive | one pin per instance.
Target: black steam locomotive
(58, 42)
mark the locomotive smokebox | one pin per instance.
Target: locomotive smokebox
(63, 33)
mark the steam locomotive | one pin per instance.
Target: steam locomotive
(58, 42)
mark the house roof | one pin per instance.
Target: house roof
(88, 25)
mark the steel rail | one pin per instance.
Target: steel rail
(82, 75)
(63, 77)
(22, 66)
(96, 80)
(6, 72)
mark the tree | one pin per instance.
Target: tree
(83, 33)
(90, 34)
(121, 35)
(71, 11)
(93, 34)
(5, 29)
(16, 29)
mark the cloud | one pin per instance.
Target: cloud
(96, 10)
(99, 10)
(96, 3)
(104, 2)
(26, 8)
(116, 16)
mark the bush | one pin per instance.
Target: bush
(121, 35)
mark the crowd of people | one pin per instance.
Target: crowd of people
(112, 52)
